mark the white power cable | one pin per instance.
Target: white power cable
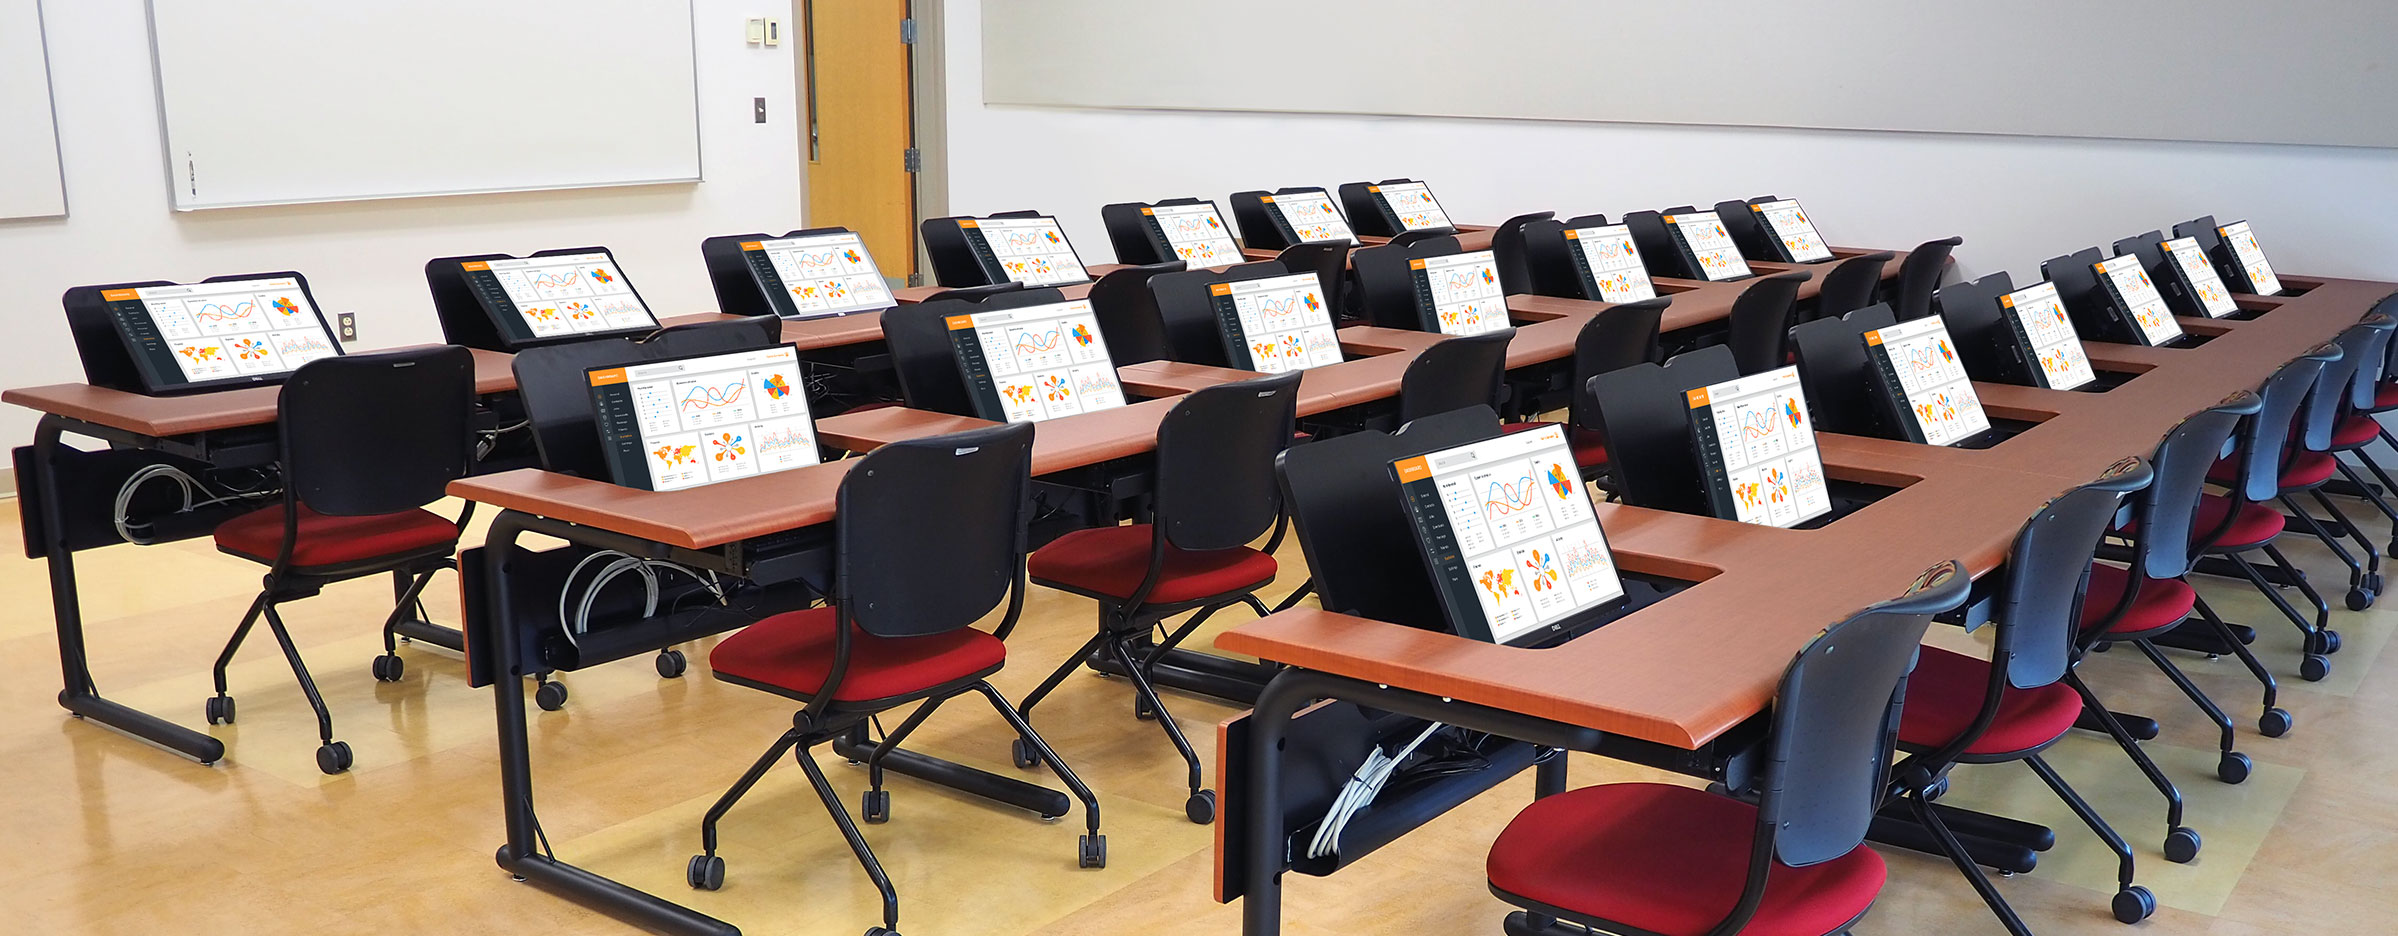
(1360, 792)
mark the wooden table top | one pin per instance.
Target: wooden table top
(163, 416)
(1692, 666)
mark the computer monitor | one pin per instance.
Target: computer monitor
(1033, 363)
(1459, 294)
(1307, 215)
(1756, 450)
(1609, 265)
(1506, 529)
(1032, 250)
(2249, 256)
(578, 294)
(245, 331)
(2044, 336)
(1192, 232)
(1790, 235)
(1923, 382)
(817, 275)
(2187, 263)
(680, 423)
(1277, 324)
(2123, 282)
(1408, 205)
(1707, 249)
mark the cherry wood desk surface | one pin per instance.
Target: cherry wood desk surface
(160, 417)
(1692, 666)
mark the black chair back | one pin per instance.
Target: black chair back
(1645, 418)
(1404, 238)
(2336, 384)
(2264, 439)
(1215, 462)
(1386, 291)
(742, 334)
(2149, 247)
(930, 533)
(1851, 284)
(1920, 275)
(2076, 280)
(367, 434)
(1656, 245)
(1352, 525)
(1455, 373)
(1760, 321)
(2168, 508)
(1512, 254)
(1616, 338)
(918, 336)
(1837, 375)
(1128, 314)
(557, 399)
(2372, 361)
(2039, 612)
(1330, 262)
(1186, 311)
(1985, 341)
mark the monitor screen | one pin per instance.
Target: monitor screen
(2045, 335)
(1276, 324)
(1034, 363)
(2199, 277)
(1411, 204)
(818, 276)
(1609, 265)
(1195, 233)
(219, 334)
(1710, 247)
(669, 425)
(1756, 445)
(1920, 368)
(2127, 282)
(1459, 294)
(558, 296)
(1508, 533)
(1788, 224)
(2251, 256)
(1032, 251)
(1310, 216)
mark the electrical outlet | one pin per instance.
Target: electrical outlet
(774, 32)
(347, 322)
(760, 108)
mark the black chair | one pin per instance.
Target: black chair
(1617, 337)
(1760, 321)
(1785, 854)
(1455, 373)
(1511, 252)
(2238, 521)
(366, 441)
(1330, 262)
(1645, 417)
(557, 401)
(1851, 284)
(949, 509)
(2333, 425)
(1837, 375)
(1128, 314)
(1963, 709)
(927, 364)
(1215, 495)
(1919, 275)
(742, 334)
(2355, 430)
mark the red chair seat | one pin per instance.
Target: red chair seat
(1590, 450)
(1670, 860)
(2305, 470)
(2385, 397)
(335, 541)
(2353, 430)
(1111, 561)
(1945, 694)
(2162, 602)
(793, 651)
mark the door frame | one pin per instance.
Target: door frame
(928, 116)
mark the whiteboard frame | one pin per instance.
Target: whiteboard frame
(176, 198)
(58, 143)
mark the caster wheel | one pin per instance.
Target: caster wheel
(1142, 710)
(389, 667)
(706, 872)
(2234, 768)
(2181, 845)
(1023, 753)
(551, 696)
(1201, 807)
(2274, 723)
(2359, 599)
(220, 710)
(333, 757)
(2102, 646)
(2331, 641)
(880, 931)
(876, 807)
(2134, 903)
(2314, 667)
(672, 663)
(1938, 789)
(1094, 851)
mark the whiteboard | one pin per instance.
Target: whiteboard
(31, 185)
(2290, 71)
(279, 101)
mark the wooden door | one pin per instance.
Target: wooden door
(856, 125)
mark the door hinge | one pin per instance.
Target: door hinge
(907, 31)
(911, 160)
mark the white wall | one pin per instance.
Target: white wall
(2016, 200)
(366, 256)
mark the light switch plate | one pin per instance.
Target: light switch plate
(759, 107)
(757, 30)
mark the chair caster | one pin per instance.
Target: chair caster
(1023, 753)
(1201, 807)
(2234, 767)
(1093, 850)
(220, 710)
(2181, 845)
(672, 663)
(2102, 646)
(881, 931)
(2360, 598)
(2274, 723)
(2134, 903)
(1938, 789)
(876, 807)
(2328, 642)
(389, 667)
(551, 696)
(1142, 710)
(2314, 668)
(705, 872)
(333, 757)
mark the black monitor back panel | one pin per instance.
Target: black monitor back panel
(1985, 340)
(1187, 311)
(2209, 235)
(1352, 523)
(1747, 230)
(1139, 240)
(1386, 284)
(1371, 215)
(1837, 374)
(1656, 245)
(465, 320)
(1262, 228)
(738, 291)
(2094, 315)
(106, 362)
